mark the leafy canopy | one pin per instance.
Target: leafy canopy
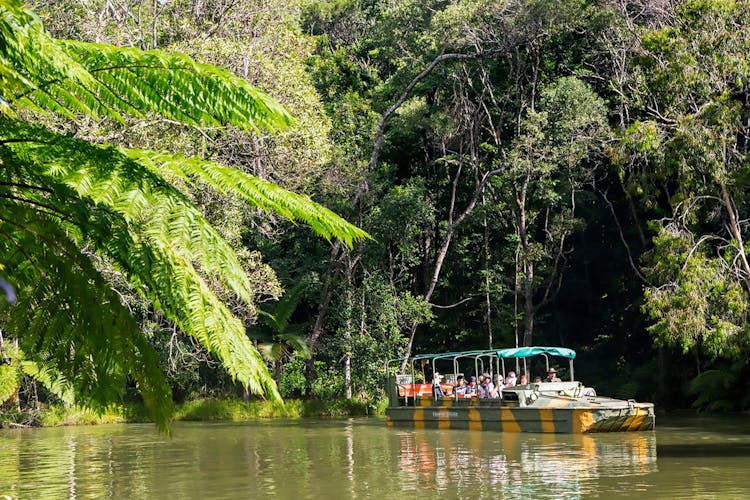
(74, 213)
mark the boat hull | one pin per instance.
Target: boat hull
(616, 416)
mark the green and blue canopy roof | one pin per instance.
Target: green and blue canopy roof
(526, 352)
(518, 352)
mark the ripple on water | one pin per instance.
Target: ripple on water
(363, 458)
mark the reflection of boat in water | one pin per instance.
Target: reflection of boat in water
(556, 407)
(522, 465)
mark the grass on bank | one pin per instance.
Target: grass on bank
(233, 410)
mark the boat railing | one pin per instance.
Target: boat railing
(404, 386)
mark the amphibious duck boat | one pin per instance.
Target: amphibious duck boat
(558, 407)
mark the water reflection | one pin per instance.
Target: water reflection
(519, 465)
(361, 458)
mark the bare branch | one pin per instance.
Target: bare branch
(407, 91)
(622, 237)
(450, 306)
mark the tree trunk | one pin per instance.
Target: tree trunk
(315, 335)
(734, 227)
(3, 354)
(529, 309)
(453, 223)
(348, 373)
(317, 330)
(347, 344)
(487, 297)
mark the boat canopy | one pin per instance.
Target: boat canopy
(518, 352)
(525, 352)
(453, 354)
(495, 357)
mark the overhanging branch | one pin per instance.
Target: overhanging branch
(388, 112)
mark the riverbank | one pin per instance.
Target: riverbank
(229, 410)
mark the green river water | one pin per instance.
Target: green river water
(686, 457)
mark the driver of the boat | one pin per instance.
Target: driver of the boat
(552, 376)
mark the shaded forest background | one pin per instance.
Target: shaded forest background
(532, 173)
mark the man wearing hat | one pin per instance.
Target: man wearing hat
(552, 376)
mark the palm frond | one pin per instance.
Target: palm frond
(297, 342)
(272, 351)
(286, 305)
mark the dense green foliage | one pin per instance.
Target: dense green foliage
(203, 410)
(73, 212)
(566, 172)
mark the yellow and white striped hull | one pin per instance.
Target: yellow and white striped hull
(550, 415)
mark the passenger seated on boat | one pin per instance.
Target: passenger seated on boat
(537, 380)
(510, 380)
(552, 376)
(483, 391)
(480, 388)
(471, 389)
(437, 391)
(460, 388)
(490, 385)
(524, 379)
(497, 391)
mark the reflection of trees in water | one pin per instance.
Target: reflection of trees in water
(521, 464)
(313, 459)
(30, 468)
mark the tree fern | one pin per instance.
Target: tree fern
(259, 192)
(51, 379)
(72, 321)
(10, 380)
(15, 366)
(276, 335)
(70, 210)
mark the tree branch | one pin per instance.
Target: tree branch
(450, 306)
(622, 237)
(388, 112)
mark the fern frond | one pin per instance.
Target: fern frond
(94, 79)
(70, 320)
(56, 383)
(10, 381)
(156, 249)
(30, 60)
(176, 87)
(263, 194)
(183, 296)
(163, 215)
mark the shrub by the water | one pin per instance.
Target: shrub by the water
(208, 409)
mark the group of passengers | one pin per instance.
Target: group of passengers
(485, 388)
